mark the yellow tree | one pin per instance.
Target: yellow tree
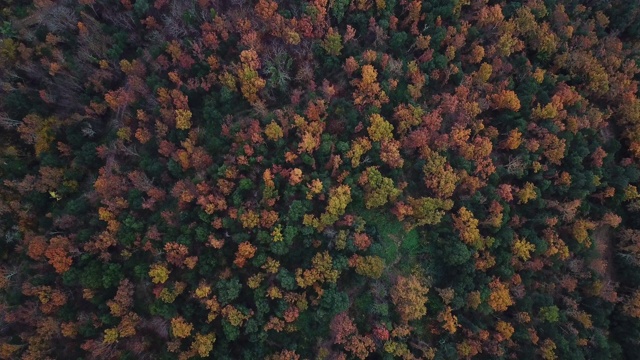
(339, 198)
(409, 295)
(250, 81)
(428, 211)
(499, 298)
(439, 176)
(273, 131)
(467, 227)
(180, 328)
(528, 192)
(203, 344)
(369, 266)
(505, 99)
(513, 141)
(522, 249)
(359, 147)
(380, 129)
(379, 189)
(368, 90)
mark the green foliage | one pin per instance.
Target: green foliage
(228, 290)
(550, 314)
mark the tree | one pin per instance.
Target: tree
(390, 153)
(180, 328)
(339, 198)
(342, 328)
(522, 249)
(409, 295)
(245, 252)
(369, 266)
(527, 193)
(250, 81)
(380, 129)
(368, 90)
(203, 344)
(273, 131)
(448, 320)
(159, 273)
(333, 42)
(505, 329)
(499, 298)
(57, 253)
(379, 189)
(183, 119)
(467, 227)
(506, 99)
(359, 147)
(425, 211)
(406, 116)
(513, 141)
(631, 305)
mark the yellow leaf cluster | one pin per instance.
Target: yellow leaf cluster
(315, 187)
(321, 271)
(180, 328)
(522, 249)
(124, 133)
(528, 192)
(203, 344)
(549, 111)
(409, 296)
(449, 321)
(276, 234)
(254, 281)
(271, 265)
(234, 316)
(369, 266)
(467, 227)
(274, 293)
(159, 273)
(581, 229)
(249, 219)
(538, 75)
(169, 295)
(359, 146)
(484, 73)
(250, 83)
(380, 129)
(273, 131)
(505, 329)
(183, 119)
(499, 299)
(110, 336)
(339, 198)
(203, 291)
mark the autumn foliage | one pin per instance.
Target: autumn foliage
(330, 179)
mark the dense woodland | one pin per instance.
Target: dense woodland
(319, 179)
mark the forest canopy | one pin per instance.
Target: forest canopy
(319, 179)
